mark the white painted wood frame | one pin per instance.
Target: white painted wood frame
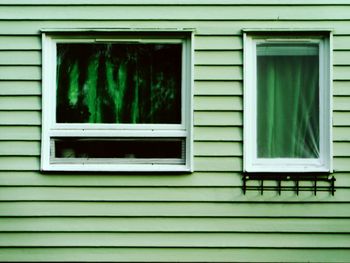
(252, 163)
(52, 129)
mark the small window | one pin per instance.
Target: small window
(117, 102)
(287, 103)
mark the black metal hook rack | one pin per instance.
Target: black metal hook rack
(297, 187)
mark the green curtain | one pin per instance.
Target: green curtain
(118, 83)
(287, 101)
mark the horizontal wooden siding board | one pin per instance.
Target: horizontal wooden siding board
(204, 28)
(20, 133)
(225, 240)
(20, 57)
(20, 102)
(176, 209)
(218, 88)
(20, 73)
(14, 87)
(170, 224)
(27, 178)
(172, 3)
(20, 118)
(210, 179)
(175, 194)
(172, 254)
(175, 13)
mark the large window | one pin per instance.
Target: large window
(287, 103)
(117, 102)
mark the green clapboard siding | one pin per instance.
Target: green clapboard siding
(218, 103)
(178, 13)
(168, 217)
(341, 103)
(218, 87)
(341, 88)
(342, 149)
(209, 240)
(341, 118)
(20, 117)
(171, 2)
(172, 224)
(219, 57)
(22, 133)
(218, 73)
(205, 28)
(175, 209)
(341, 133)
(19, 163)
(20, 73)
(10, 43)
(173, 254)
(25, 148)
(341, 57)
(20, 57)
(160, 194)
(218, 133)
(218, 43)
(341, 72)
(20, 103)
(20, 87)
(217, 118)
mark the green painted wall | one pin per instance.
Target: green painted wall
(198, 217)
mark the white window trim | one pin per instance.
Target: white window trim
(251, 162)
(52, 129)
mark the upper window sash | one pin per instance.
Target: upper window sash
(50, 61)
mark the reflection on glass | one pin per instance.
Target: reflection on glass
(118, 83)
(288, 101)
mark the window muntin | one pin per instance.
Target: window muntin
(287, 103)
(124, 90)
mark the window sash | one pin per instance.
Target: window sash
(186, 57)
(251, 162)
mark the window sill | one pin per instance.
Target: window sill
(116, 168)
(287, 168)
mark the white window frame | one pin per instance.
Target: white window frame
(52, 129)
(289, 165)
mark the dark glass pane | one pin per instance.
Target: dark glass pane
(288, 101)
(143, 148)
(118, 83)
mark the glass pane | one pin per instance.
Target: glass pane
(130, 148)
(118, 83)
(288, 101)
